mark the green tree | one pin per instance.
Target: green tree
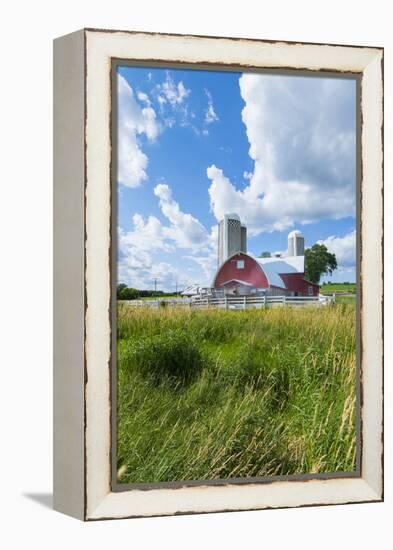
(120, 287)
(265, 255)
(318, 261)
(126, 293)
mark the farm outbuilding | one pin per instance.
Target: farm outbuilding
(241, 274)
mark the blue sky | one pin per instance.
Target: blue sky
(280, 151)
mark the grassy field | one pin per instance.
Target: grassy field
(339, 287)
(346, 299)
(223, 394)
(167, 296)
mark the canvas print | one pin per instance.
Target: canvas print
(236, 281)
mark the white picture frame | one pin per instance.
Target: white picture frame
(82, 257)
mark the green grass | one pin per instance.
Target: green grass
(169, 296)
(338, 287)
(221, 394)
(346, 299)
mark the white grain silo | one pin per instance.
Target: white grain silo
(295, 243)
(231, 237)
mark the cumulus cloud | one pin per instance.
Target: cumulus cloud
(208, 264)
(134, 120)
(207, 256)
(185, 230)
(150, 238)
(344, 248)
(139, 269)
(210, 114)
(146, 235)
(140, 256)
(143, 97)
(301, 132)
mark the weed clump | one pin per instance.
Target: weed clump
(172, 358)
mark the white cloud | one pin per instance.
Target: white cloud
(170, 92)
(147, 236)
(172, 98)
(169, 122)
(344, 248)
(138, 248)
(207, 257)
(139, 269)
(175, 108)
(133, 121)
(210, 114)
(139, 264)
(208, 264)
(185, 230)
(302, 141)
(143, 97)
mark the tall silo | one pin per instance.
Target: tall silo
(229, 237)
(295, 243)
(233, 229)
(243, 238)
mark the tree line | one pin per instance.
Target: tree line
(126, 293)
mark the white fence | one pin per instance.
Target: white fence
(247, 302)
(236, 302)
(157, 302)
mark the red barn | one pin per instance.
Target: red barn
(242, 274)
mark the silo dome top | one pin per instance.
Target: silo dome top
(232, 216)
(295, 233)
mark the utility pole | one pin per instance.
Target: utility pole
(177, 286)
(155, 283)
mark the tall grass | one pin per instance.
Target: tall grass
(220, 394)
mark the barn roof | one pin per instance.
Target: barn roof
(286, 264)
(192, 290)
(273, 267)
(272, 275)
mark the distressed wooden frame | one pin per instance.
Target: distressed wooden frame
(82, 273)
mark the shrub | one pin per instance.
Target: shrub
(127, 293)
(170, 358)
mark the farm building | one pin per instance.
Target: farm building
(194, 290)
(241, 274)
(232, 237)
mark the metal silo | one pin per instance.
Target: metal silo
(229, 237)
(243, 238)
(295, 243)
